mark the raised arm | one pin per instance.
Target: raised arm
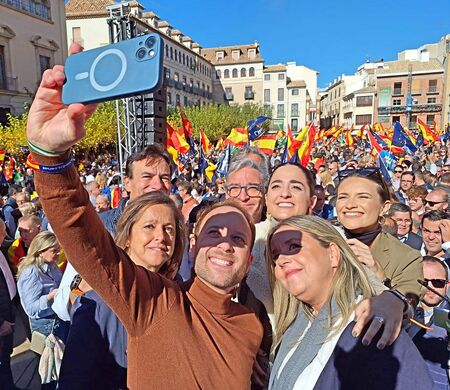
(52, 129)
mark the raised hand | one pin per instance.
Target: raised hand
(51, 125)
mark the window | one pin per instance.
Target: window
(294, 109)
(76, 35)
(176, 77)
(171, 53)
(363, 119)
(397, 88)
(218, 74)
(280, 110)
(235, 73)
(191, 82)
(185, 101)
(249, 94)
(226, 73)
(364, 101)
(267, 109)
(431, 100)
(176, 55)
(235, 54)
(169, 97)
(295, 92)
(267, 95)
(251, 72)
(44, 63)
(184, 80)
(166, 73)
(251, 53)
(280, 76)
(243, 72)
(267, 77)
(396, 102)
(229, 94)
(177, 99)
(430, 120)
(294, 124)
(280, 94)
(413, 122)
(184, 59)
(395, 118)
(219, 55)
(432, 86)
(167, 51)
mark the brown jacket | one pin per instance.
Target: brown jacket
(401, 264)
(179, 337)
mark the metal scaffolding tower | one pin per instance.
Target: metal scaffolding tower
(141, 120)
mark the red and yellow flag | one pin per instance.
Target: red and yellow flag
(2, 157)
(187, 126)
(427, 133)
(266, 143)
(237, 137)
(206, 145)
(304, 151)
(349, 141)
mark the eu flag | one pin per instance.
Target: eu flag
(401, 140)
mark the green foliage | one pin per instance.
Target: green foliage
(12, 136)
(216, 120)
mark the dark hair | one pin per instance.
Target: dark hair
(399, 208)
(14, 189)
(406, 173)
(203, 213)
(151, 152)
(435, 215)
(188, 186)
(134, 210)
(309, 175)
(434, 260)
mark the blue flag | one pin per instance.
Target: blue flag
(401, 140)
(224, 164)
(389, 159)
(254, 127)
(384, 171)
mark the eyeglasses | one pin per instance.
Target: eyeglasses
(431, 203)
(252, 190)
(437, 283)
(398, 171)
(407, 181)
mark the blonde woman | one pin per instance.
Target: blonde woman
(38, 280)
(317, 282)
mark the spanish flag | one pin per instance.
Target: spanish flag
(349, 141)
(304, 151)
(427, 133)
(187, 126)
(2, 157)
(266, 143)
(206, 145)
(237, 137)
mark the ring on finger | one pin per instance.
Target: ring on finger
(379, 319)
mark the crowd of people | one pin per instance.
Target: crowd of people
(275, 276)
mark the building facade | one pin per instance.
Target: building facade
(32, 39)
(289, 95)
(422, 80)
(187, 75)
(238, 73)
(358, 108)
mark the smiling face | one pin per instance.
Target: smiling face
(358, 204)
(289, 193)
(434, 271)
(303, 266)
(247, 177)
(222, 249)
(432, 237)
(152, 239)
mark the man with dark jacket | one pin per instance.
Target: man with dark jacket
(7, 292)
(10, 209)
(145, 171)
(402, 215)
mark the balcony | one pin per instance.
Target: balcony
(249, 95)
(178, 85)
(8, 84)
(229, 96)
(432, 90)
(36, 8)
(187, 88)
(415, 108)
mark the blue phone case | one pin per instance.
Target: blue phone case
(126, 68)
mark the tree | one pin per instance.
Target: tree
(216, 120)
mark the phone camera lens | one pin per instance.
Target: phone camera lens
(140, 54)
(150, 42)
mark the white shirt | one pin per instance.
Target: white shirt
(62, 298)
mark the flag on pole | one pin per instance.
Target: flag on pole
(401, 140)
(237, 137)
(427, 133)
(304, 152)
(187, 126)
(254, 127)
(224, 163)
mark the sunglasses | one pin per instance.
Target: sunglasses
(399, 171)
(366, 172)
(437, 283)
(431, 203)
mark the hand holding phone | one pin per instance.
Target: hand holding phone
(123, 69)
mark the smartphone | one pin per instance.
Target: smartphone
(441, 318)
(127, 68)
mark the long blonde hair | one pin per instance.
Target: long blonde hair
(349, 280)
(40, 243)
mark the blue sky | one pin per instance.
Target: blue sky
(331, 36)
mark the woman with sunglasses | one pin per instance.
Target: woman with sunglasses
(317, 282)
(361, 198)
(290, 193)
